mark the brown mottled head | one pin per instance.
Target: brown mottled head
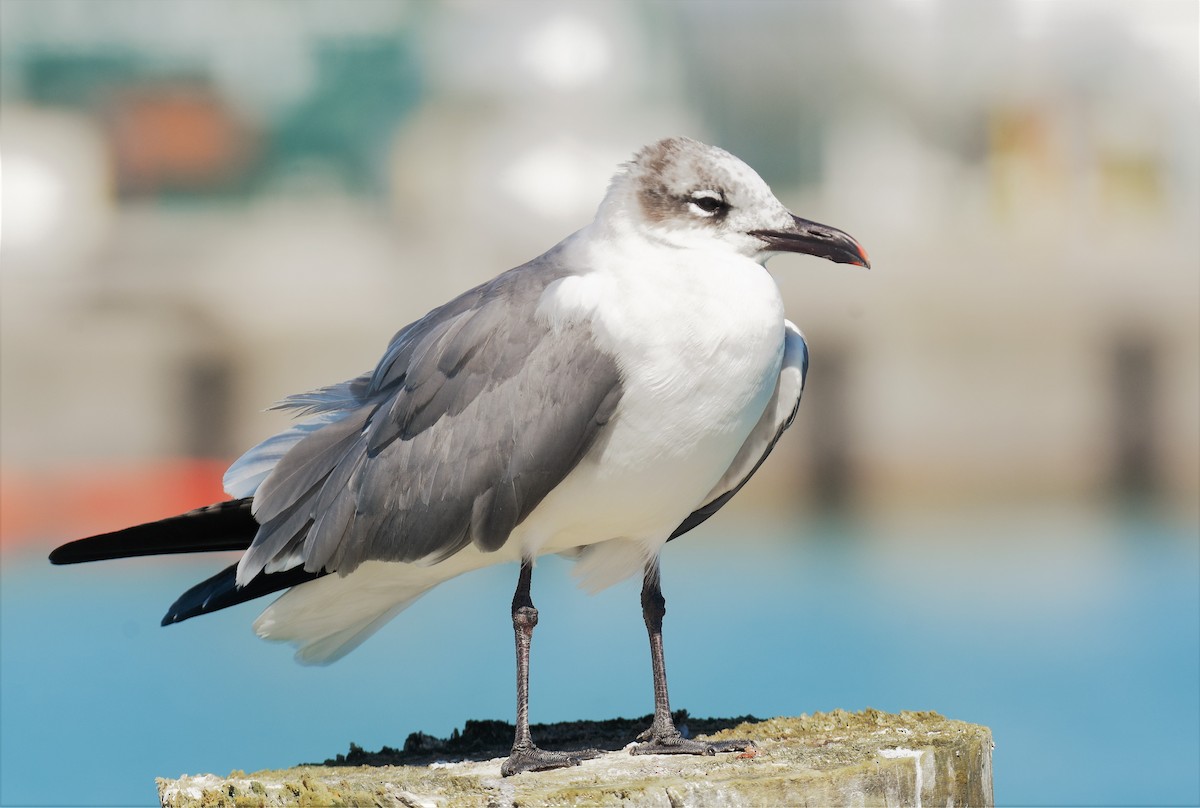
(687, 194)
(676, 173)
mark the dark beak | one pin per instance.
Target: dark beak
(815, 239)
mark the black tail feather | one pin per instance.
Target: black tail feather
(221, 591)
(222, 526)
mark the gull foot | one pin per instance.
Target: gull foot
(673, 743)
(532, 759)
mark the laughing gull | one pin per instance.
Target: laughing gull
(598, 401)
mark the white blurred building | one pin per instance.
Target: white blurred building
(1028, 184)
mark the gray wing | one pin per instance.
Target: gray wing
(474, 413)
(778, 416)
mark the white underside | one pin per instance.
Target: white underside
(700, 341)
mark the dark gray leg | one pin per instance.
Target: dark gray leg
(662, 738)
(526, 757)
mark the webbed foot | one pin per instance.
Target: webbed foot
(671, 742)
(532, 759)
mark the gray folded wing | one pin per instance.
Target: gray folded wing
(473, 415)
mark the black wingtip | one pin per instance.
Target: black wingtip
(222, 591)
(225, 525)
(79, 551)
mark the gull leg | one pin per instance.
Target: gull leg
(662, 738)
(525, 757)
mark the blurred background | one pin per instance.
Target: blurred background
(989, 504)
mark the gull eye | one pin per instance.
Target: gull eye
(708, 203)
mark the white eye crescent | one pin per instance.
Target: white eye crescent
(708, 203)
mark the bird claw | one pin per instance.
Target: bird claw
(533, 759)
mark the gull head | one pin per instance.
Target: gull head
(686, 194)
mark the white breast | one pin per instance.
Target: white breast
(699, 340)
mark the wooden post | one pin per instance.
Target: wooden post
(838, 758)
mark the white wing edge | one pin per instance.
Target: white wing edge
(777, 416)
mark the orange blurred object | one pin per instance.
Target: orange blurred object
(46, 507)
(176, 137)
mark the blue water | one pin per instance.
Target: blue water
(1075, 636)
